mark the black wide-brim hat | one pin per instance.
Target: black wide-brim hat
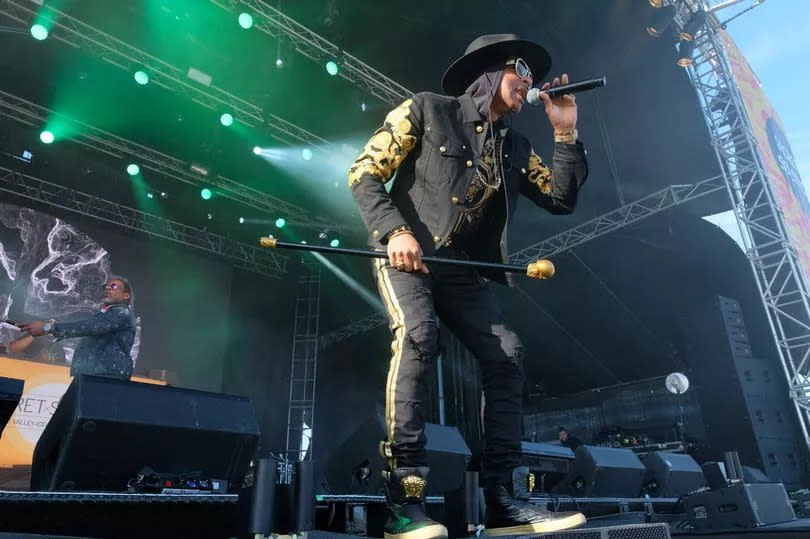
(488, 50)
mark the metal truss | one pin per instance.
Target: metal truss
(643, 208)
(773, 257)
(32, 114)
(114, 51)
(277, 25)
(303, 366)
(354, 328)
(244, 256)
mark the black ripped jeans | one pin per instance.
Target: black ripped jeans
(462, 300)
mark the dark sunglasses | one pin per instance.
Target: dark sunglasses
(113, 286)
(521, 68)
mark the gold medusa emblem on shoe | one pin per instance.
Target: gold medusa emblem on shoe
(413, 485)
(531, 482)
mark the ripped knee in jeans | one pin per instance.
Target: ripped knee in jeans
(424, 339)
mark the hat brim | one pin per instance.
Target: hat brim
(469, 67)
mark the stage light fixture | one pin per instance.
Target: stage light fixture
(279, 63)
(257, 150)
(133, 169)
(303, 242)
(332, 67)
(306, 154)
(363, 107)
(661, 21)
(696, 22)
(685, 51)
(46, 137)
(206, 193)
(245, 20)
(210, 216)
(226, 119)
(241, 220)
(164, 194)
(150, 195)
(280, 222)
(141, 77)
(334, 243)
(39, 32)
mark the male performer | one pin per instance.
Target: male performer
(108, 335)
(459, 169)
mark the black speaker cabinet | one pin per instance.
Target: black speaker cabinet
(11, 390)
(671, 475)
(355, 467)
(604, 471)
(739, 506)
(104, 431)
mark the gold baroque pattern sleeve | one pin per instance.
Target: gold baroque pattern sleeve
(387, 148)
(539, 173)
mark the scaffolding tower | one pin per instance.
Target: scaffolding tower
(769, 249)
(301, 406)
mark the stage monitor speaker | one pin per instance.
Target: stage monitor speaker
(671, 475)
(604, 472)
(355, 467)
(739, 506)
(105, 431)
(11, 390)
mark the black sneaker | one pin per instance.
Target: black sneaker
(509, 511)
(405, 496)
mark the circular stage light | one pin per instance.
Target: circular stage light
(334, 243)
(332, 68)
(206, 193)
(141, 77)
(226, 119)
(257, 150)
(133, 169)
(46, 137)
(306, 153)
(39, 32)
(280, 222)
(245, 20)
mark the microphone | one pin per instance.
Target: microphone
(533, 97)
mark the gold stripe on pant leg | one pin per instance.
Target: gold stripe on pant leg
(398, 326)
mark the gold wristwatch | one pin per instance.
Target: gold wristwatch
(569, 137)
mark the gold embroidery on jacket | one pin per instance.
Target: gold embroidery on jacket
(539, 173)
(387, 148)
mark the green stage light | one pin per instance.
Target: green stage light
(257, 150)
(332, 67)
(141, 77)
(280, 222)
(133, 169)
(226, 119)
(279, 63)
(39, 32)
(241, 220)
(206, 193)
(306, 153)
(245, 20)
(46, 137)
(335, 243)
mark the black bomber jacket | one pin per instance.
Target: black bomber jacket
(433, 142)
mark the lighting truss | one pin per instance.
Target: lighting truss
(114, 51)
(32, 114)
(643, 208)
(356, 327)
(276, 24)
(773, 257)
(243, 256)
(303, 365)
